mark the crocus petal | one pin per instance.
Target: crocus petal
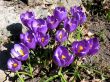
(28, 39)
(70, 60)
(70, 24)
(94, 46)
(60, 13)
(52, 22)
(26, 18)
(75, 9)
(39, 25)
(78, 14)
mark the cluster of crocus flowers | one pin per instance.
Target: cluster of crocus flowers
(38, 34)
(19, 53)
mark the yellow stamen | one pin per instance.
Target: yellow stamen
(28, 39)
(61, 36)
(15, 65)
(43, 39)
(21, 52)
(80, 49)
(63, 57)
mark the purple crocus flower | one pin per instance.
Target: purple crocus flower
(39, 25)
(61, 35)
(13, 64)
(81, 17)
(62, 57)
(60, 13)
(43, 39)
(20, 52)
(26, 18)
(94, 46)
(78, 14)
(52, 22)
(28, 39)
(70, 24)
(80, 48)
(75, 9)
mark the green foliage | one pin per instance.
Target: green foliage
(108, 15)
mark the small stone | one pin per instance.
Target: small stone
(2, 76)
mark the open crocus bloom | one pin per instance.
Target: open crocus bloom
(13, 64)
(20, 52)
(70, 24)
(60, 13)
(62, 57)
(80, 48)
(52, 22)
(39, 25)
(26, 18)
(28, 39)
(43, 39)
(93, 45)
(61, 35)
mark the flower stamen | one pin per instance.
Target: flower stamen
(15, 65)
(63, 57)
(80, 49)
(60, 36)
(21, 52)
(43, 39)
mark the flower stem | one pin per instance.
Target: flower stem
(24, 73)
(79, 32)
(22, 80)
(61, 75)
(51, 78)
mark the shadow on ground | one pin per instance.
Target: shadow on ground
(15, 29)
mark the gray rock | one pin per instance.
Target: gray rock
(2, 76)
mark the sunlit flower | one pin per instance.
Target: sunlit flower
(62, 57)
(82, 18)
(60, 13)
(20, 52)
(39, 25)
(26, 18)
(43, 39)
(28, 39)
(78, 14)
(14, 64)
(70, 24)
(61, 35)
(75, 9)
(94, 46)
(52, 22)
(80, 48)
